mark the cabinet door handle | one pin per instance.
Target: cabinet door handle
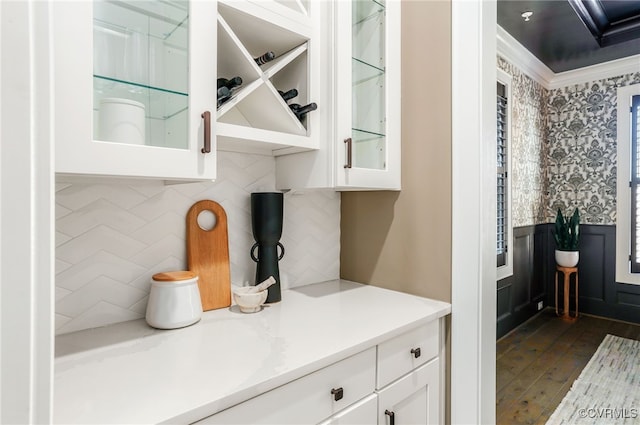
(349, 154)
(337, 393)
(392, 417)
(416, 352)
(207, 132)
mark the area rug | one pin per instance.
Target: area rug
(608, 389)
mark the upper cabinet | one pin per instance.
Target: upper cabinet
(267, 72)
(153, 88)
(135, 91)
(362, 56)
(368, 104)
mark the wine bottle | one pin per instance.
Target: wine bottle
(231, 83)
(300, 111)
(224, 94)
(267, 57)
(288, 94)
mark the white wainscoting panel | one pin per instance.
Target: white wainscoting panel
(112, 236)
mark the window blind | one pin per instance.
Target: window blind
(635, 188)
(501, 176)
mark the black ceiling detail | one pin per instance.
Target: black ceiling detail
(609, 22)
(558, 37)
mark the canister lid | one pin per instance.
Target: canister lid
(175, 276)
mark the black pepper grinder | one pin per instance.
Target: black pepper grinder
(266, 223)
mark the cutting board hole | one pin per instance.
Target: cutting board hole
(207, 220)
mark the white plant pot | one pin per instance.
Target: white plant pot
(567, 258)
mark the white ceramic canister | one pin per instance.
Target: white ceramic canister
(174, 300)
(121, 120)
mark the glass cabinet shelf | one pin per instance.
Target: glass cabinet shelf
(364, 135)
(143, 43)
(367, 9)
(368, 107)
(157, 19)
(159, 103)
(364, 69)
(369, 149)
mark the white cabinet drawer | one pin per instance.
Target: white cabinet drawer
(405, 352)
(364, 412)
(307, 400)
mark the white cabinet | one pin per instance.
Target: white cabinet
(397, 380)
(310, 399)
(409, 376)
(368, 104)
(363, 56)
(255, 117)
(134, 87)
(414, 399)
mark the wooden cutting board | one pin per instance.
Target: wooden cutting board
(208, 255)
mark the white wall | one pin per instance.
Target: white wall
(112, 236)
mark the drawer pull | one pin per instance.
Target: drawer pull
(337, 393)
(416, 352)
(392, 417)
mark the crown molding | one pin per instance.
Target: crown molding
(596, 72)
(516, 54)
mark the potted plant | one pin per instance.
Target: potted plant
(567, 236)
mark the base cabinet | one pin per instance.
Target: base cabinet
(413, 399)
(351, 391)
(310, 399)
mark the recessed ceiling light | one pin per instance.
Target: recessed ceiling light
(526, 15)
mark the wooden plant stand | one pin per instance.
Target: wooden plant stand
(567, 271)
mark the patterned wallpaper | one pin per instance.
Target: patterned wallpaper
(112, 236)
(582, 149)
(529, 161)
(563, 148)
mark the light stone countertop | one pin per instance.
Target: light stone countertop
(131, 373)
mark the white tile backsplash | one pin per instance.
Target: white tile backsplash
(111, 237)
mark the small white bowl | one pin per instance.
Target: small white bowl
(247, 301)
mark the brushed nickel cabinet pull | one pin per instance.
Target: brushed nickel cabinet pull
(337, 393)
(392, 417)
(207, 132)
(349, 154)
(416, 352)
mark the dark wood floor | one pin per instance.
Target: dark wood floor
(538, 361)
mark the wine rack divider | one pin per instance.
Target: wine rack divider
(256, 118)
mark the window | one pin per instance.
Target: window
(635, 179)
(502, 175)
(503, 196)
(628, 196)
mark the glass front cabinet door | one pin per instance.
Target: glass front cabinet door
(368, 94)
(135, 88)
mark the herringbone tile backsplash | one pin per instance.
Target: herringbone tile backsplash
(112, 236)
